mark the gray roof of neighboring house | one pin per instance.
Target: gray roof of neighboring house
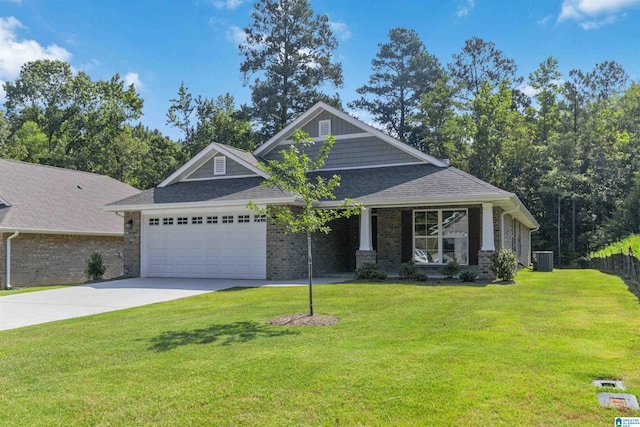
(49, 199)
(385, 184)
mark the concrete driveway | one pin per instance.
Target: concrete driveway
(33, 308)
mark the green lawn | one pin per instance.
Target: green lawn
(498, 355)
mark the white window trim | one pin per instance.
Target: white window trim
(440, 238)
(219, 165)
(322, 123)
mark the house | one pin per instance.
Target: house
(196, 223)
(51, 221)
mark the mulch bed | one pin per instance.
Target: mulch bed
(302, 319)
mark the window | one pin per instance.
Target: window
(167, 221)
(219, 165)
(324, 127)
(183, 220)
(260, 218)
(196, 220)
(440, 236)
(244, 218)
(212, 220)
(227, 219)
(154, 221)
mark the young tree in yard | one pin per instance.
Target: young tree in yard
(403, 70)
(292, 52)
(295, 174)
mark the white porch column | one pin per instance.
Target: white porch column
(365, 229)
(488, 241)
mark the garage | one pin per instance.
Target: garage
(205, 245)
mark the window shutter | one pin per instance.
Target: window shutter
(219, 165)
(324, 127)
(475, 227)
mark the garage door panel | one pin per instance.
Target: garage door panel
(224, 250)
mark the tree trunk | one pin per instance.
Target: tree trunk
(310, 258)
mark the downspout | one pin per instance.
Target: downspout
(502, 224)
(530, 246)
(15, 234)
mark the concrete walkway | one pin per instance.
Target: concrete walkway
(33, 308)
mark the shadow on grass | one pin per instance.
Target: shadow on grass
(236, 289)
(223, 334)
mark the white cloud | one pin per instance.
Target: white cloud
(544, 20)
(15, 52)
(236, 35)
(227, 4)
(340, 29)
(133, 79)
(465, 7)
(593, 14)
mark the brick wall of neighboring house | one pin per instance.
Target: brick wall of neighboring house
(49, 259)
(132, 244)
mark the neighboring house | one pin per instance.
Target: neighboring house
(51, 221)
(196, 224)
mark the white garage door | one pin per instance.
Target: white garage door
(213, 245)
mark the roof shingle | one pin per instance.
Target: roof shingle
(45, 198)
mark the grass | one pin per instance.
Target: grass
(623, 245)
(499, 355)
(14, 291)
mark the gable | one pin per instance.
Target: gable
(358, 145)
(361, 152)
(216, 161)
(208, 169)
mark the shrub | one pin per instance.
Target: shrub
(95, 267)
(467, 276)
(505, 264)
(420, 276)
(408, 270)
(451, 269)
(370, 271)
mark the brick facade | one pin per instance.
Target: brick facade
(49, 259)
(389, 238)
(332, 253)
(132, 244)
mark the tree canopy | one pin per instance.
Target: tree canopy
(291, 52)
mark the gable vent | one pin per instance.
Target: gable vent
(324, 127)
(219, 165)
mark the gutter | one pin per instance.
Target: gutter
(15, 234)
(502, 223)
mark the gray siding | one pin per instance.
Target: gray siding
(338, 126)
(357, 152)
(233, 169)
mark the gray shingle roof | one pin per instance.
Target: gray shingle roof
(410, 183)
(217, 190)
(46, 198)
(389, 184)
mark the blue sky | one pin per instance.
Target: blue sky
(157, 44)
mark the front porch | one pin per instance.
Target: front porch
(430, 236)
